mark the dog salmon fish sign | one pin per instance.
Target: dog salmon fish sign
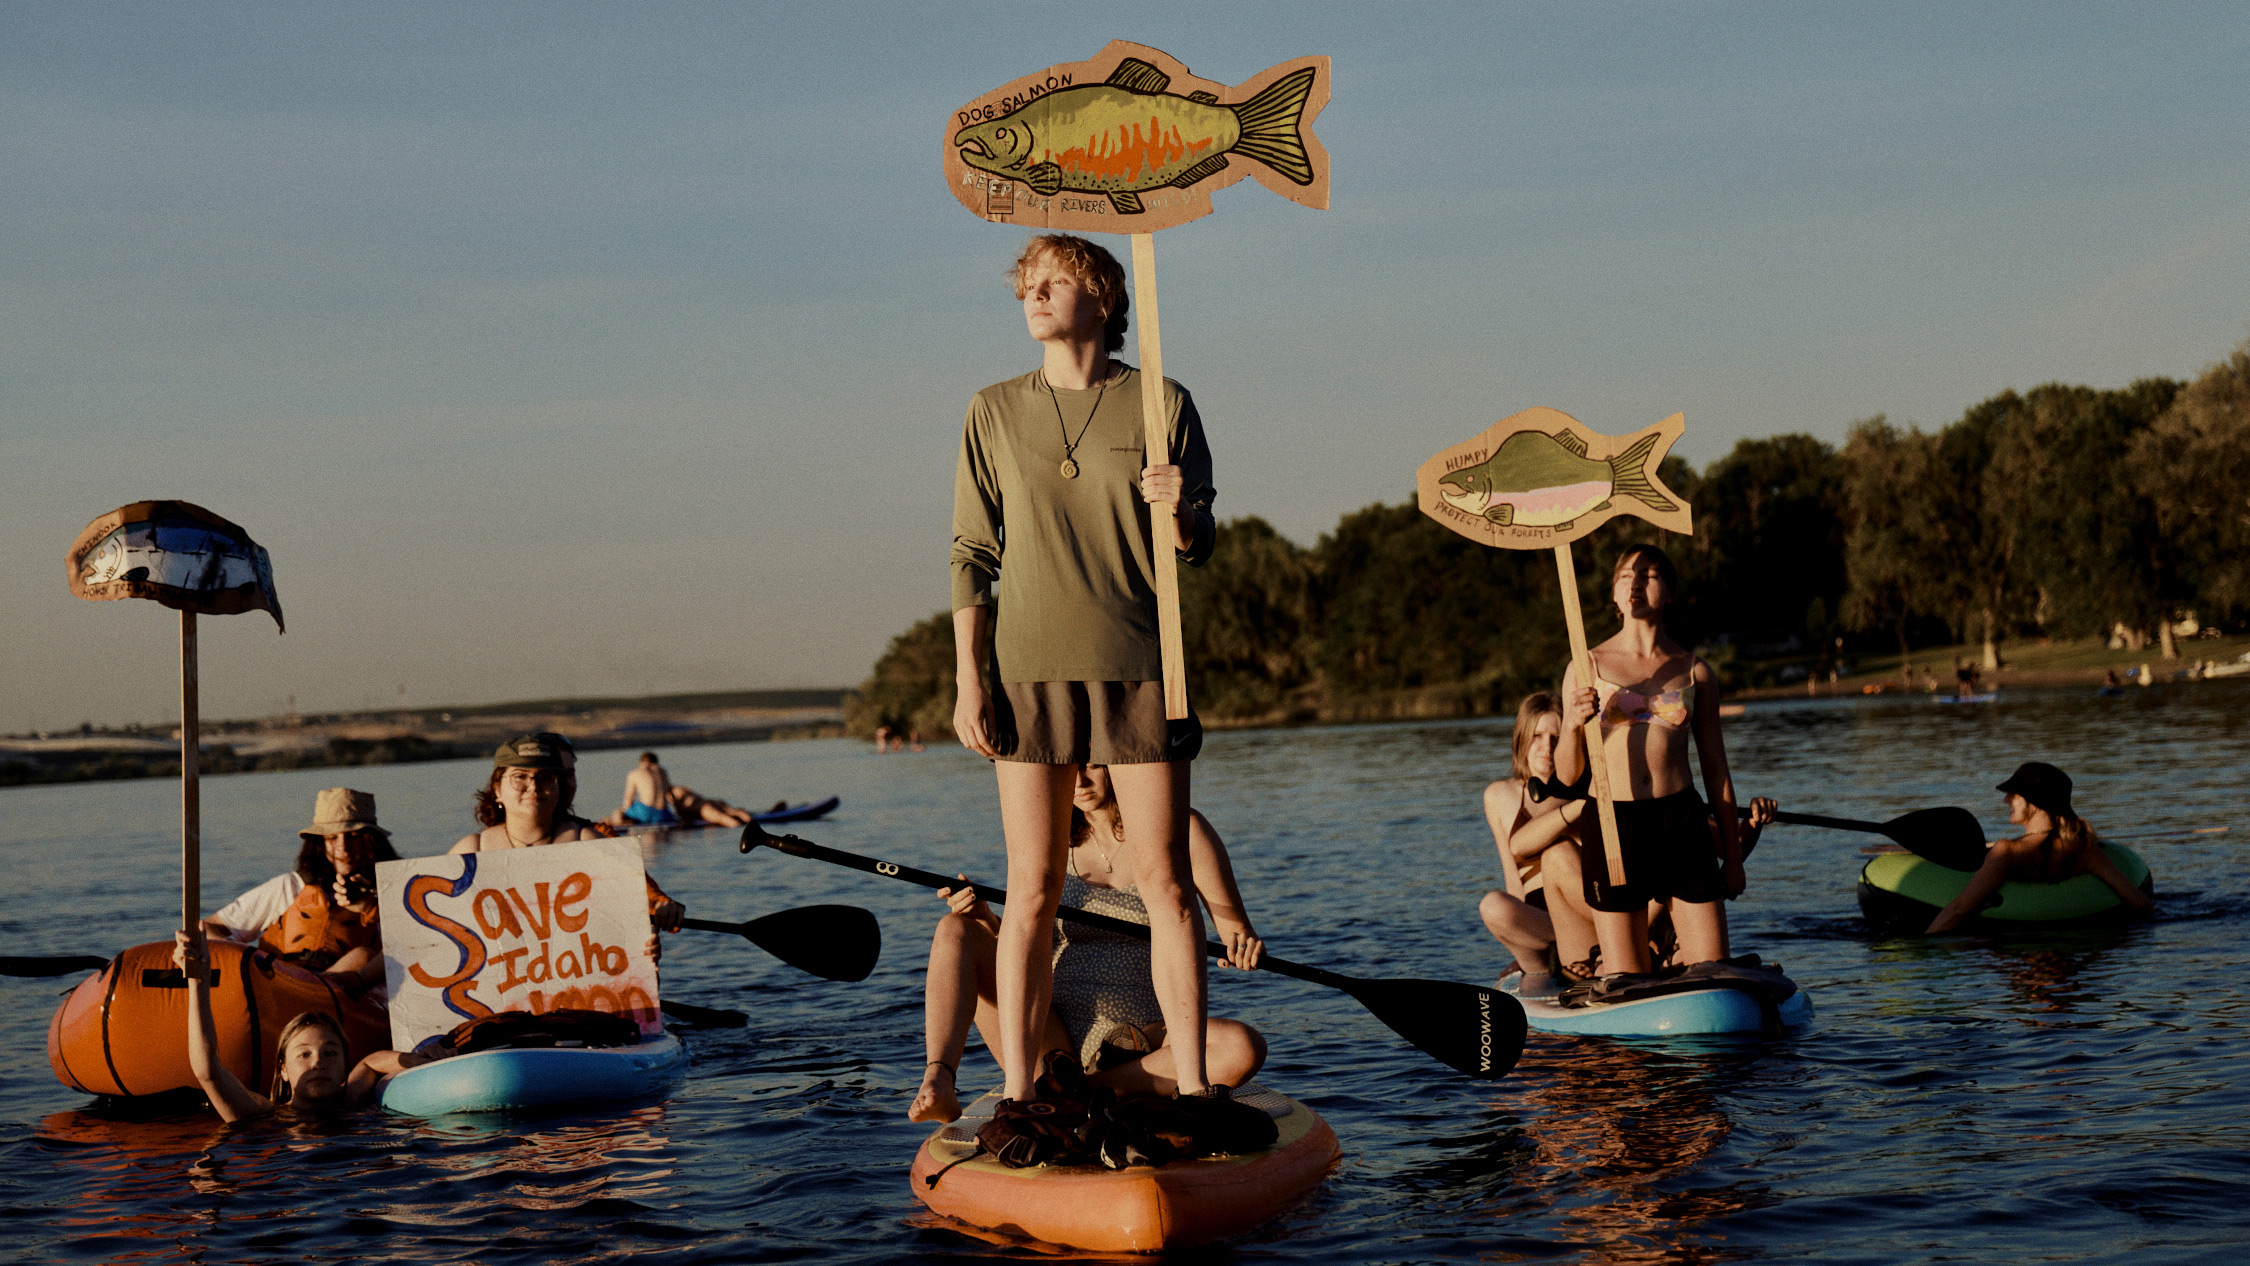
(1130, 142)
(1540, 480)
(532, 929)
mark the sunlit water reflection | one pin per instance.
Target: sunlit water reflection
(2070, 1097)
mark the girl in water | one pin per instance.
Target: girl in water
(1051, 503)
(1654, 699)
(309, 1072)
(1542, 917)
(2056, 844)
(1104, 1008)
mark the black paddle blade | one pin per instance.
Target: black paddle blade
(51, 965)
(831, 942)
(1951, 837)
(1467, 1028)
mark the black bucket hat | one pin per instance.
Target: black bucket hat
(2045, 786)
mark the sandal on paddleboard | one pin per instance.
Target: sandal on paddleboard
(1223, 1127)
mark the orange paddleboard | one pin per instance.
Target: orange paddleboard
(123, 1031)
(1129, 1210)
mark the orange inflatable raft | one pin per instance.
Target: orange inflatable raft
(1130, 1210)
(124, 1030)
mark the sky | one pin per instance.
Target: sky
(617, 349)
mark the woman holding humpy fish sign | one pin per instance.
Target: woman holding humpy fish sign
(1654, 698)
(1051, 500)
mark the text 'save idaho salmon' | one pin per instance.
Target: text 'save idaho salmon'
(1129, 142)
(1541, 479)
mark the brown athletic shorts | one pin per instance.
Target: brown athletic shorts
(1086, 722)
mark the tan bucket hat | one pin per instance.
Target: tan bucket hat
(340, 810)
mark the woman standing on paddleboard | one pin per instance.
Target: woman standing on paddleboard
(1051, 502)
(1654, 699)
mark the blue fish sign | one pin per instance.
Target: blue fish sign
(177, 554)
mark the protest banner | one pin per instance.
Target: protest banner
(530, 929)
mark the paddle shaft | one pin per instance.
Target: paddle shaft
(930, 879)
(1597, 753)
(1836, 824)
(1156, 441)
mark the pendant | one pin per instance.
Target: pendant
(1069, 468)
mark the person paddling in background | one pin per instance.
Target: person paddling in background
(2056, 844)
(1542, 916)
(1104, 1006)
(648, 794)
(1654, 699)
(309, 1069)
(528, 802)
(1050, 502)
(321, 915)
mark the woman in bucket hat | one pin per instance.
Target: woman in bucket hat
(527, 802)
(321, 915)
(2056, 844)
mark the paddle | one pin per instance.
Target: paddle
(51, 965)
(831, 942)
(1950, 837)
(1467, 1028)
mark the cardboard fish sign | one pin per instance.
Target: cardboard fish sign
(1541, 479)
(178, 554)
(1131, 143)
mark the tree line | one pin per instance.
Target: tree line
(2062, 511)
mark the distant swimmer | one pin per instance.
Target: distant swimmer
(648, 794)
(2056, 844)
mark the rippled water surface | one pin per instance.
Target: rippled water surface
(2072, 1097)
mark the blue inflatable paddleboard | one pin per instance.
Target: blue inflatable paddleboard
(801, 812)
(1697, 1011)
(512, 1079)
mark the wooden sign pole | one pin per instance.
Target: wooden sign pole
(1156, 438)
(1597, 753)
(191, 781)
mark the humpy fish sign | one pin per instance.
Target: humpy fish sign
(534, 929)
(1130, 142)
(1540, 480)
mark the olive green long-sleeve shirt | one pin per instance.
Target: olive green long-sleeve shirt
(1075, 597)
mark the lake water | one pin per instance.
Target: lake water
(2081, 1096)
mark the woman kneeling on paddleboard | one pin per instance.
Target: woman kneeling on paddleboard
(309, 1073)
(1051, 502)
(1653, 698)
(1105, 1010)
(2056, 844)
(1542, 917)
(528, 801)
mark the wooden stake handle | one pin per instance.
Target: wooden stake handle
(1597, 753)
(191, 781)
(1156, 437)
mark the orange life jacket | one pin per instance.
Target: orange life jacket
(314, 931)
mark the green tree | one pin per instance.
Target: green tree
(1890, 551)
(2084, 535)
(1246, 619)
(1769, 540)
(912, 685)
(2193, 466)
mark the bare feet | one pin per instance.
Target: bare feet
(936, 1101)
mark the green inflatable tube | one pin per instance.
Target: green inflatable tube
(1901, 890)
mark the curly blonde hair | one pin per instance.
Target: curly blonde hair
(1094, 267)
